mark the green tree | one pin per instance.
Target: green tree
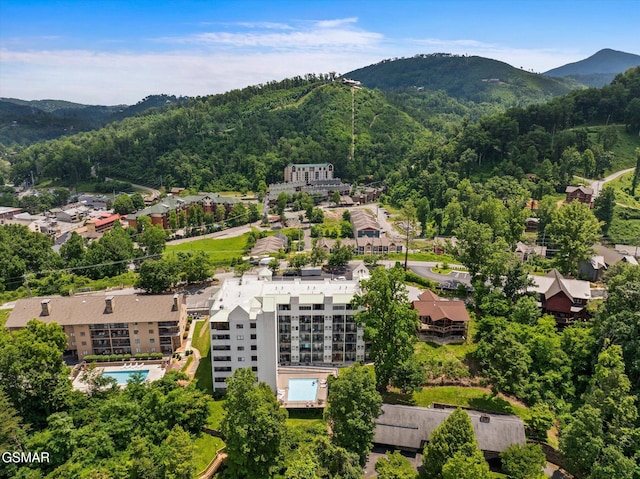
(220, 213)
(390, 322)
(195, 267)
(574, 228)
(316, 215)
(354, 404)
(318, 255)
(12, 432)
(72, 251)
(474, 245)
(177, 455)
(619, 321)
(281, 203)
(335, 198)
(454, 435)
(604, 206)
(152, 240)
(612, 463)
(123, 205)
(395, 466)
(37, 384)
(409, 376)
(581, 438)
(340, 256)
(464, 466)
(609, 392)
(138, 201)
(524, 461)
(157, 276)
(253, 424)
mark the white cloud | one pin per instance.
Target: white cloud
(336, 23)
(113, 78)
(321, 34)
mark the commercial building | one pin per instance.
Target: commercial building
(265, 324)
(123, 324)
(308, 172)
(160, 212)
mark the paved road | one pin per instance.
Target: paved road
(597, 185)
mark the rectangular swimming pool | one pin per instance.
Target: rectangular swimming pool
(303, 389)
(123, 376)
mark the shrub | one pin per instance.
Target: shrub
(142, 356)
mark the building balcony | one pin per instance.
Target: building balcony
(174, 331)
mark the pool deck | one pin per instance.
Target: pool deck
(319, 374)
(155, 372)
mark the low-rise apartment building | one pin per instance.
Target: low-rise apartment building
(123, 324)
(263, 324)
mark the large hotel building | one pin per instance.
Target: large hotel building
(266, 324)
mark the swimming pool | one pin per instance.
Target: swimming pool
(303, 389)
(123, 376)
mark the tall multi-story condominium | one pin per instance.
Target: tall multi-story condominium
(123, 324)
(265, 324)
(308, 173)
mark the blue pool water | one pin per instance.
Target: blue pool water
(303, 389)
(123, 376)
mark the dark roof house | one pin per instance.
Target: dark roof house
(410, 427)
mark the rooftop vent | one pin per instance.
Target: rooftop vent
(46, 307)
(108, 304)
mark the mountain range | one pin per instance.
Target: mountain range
(597, 70)
(428, 84)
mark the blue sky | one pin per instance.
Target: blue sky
(119, 51)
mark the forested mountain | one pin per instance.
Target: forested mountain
(25, 122)
(244, 138)
(471, 78)
(599, 69)
(238, 139)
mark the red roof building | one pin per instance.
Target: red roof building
(441, 319)
(103, 223)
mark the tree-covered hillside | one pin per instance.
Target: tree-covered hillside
(237, 140)
(25, 122)
(472, 78)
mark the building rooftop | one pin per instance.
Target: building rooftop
(76, 310)
(409, 426)
(253, 294)
(430, 304)
(554, 282)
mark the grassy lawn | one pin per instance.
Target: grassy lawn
(205, 448)
(447, 362)
(216, 412)
(625, 227)
(201, 339)
(203, 374)
(475, 398)
(221, 251)
(306, 419)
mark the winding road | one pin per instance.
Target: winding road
(597, 185)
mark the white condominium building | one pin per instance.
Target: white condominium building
(264, 324)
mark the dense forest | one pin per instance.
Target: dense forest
(26, 122)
